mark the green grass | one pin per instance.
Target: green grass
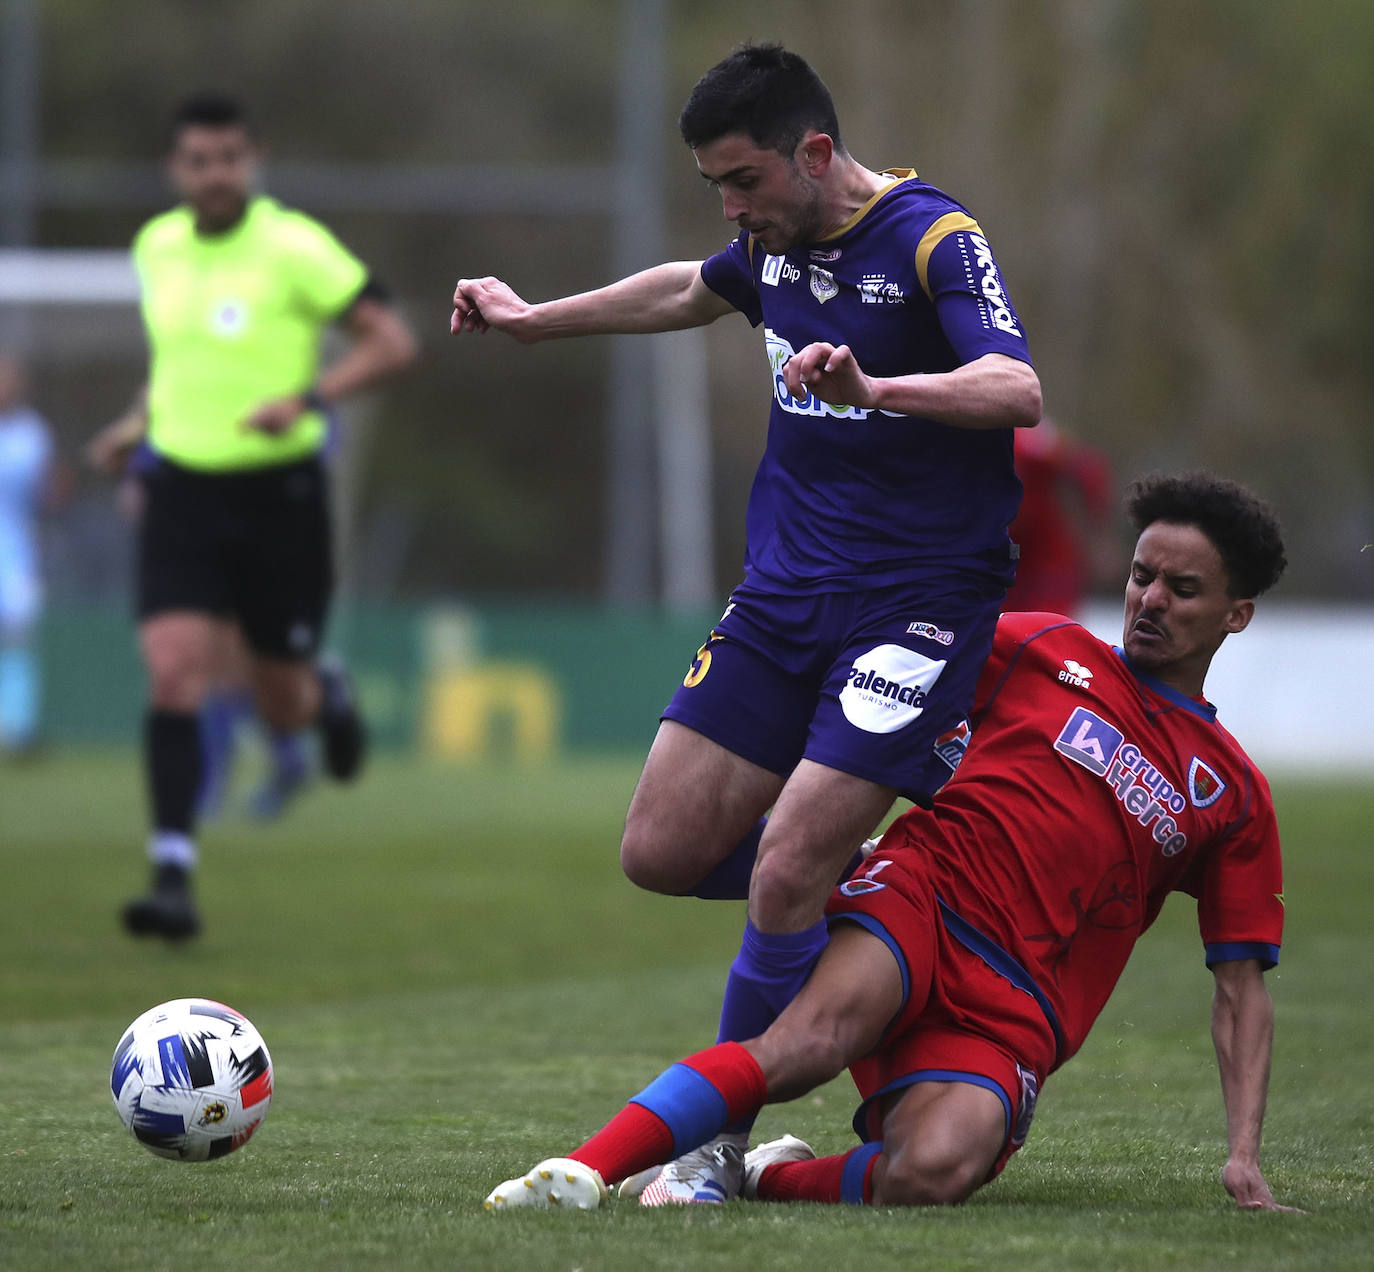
(455, 981)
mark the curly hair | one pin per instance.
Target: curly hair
(764, 91)
(1240, 525)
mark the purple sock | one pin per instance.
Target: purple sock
(729, 881)
(767, 973)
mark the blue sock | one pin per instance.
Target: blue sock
(219, 717)
(18, 695)
(288, 754)
(729, 881)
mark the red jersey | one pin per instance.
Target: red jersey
(1088, 793)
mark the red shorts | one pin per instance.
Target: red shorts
(960, 1020)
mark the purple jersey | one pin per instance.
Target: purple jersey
(845, 498)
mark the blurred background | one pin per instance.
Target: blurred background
(534, 541)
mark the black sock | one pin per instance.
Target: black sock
(172, 755)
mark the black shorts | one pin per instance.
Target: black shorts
(253, 546)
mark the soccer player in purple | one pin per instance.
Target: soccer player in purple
(841, 672)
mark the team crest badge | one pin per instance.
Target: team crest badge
(823, 284)
(1204, 786)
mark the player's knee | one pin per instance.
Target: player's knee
(652, 858)
(784, 886)
(176, 680)
(927, 1175)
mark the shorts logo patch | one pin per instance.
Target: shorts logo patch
(1204, 786)
(1087, 739)
(860, 887)
(951, 746)
(930, 632)
(300, 636)
(1025, 1110)
(886, 688)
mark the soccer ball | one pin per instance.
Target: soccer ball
(191, 1079)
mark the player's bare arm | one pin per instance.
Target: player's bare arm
(668, 297)
(109, 450)
(994, 391)
(1243, 1034)
(383, 344)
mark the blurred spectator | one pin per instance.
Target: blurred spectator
(1064, 527)
(26, 469)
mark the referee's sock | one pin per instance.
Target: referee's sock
(174, 762)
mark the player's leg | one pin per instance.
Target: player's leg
(694, 803)
(179, 648)
(856, 989)
(20, 599)
(284, 581)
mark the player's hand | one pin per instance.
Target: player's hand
(1245, 1183)
(482, 303)
(109, 450)
(274, 418)
(831, 372)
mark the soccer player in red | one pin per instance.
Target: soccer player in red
(976, 946)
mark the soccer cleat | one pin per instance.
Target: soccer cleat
(168, 910)
(757, 1160)
(558, 1182)
(713, 1173)
(341, 727)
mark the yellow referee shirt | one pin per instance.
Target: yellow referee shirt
(235, 320)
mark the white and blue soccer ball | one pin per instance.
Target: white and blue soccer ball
(191, 1079)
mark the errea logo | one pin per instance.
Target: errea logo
(1075, 673)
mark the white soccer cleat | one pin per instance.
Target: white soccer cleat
(629, 1189)
(713, 1173)
(558, 1182)
(756, 1161)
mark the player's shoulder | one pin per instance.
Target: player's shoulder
(288, 225)
(1018, 627)
(918, 203)
(166, 229)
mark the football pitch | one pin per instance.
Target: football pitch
(455, 981)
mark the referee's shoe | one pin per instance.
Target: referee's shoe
(342, 732)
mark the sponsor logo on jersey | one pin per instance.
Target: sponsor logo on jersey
(779, 350)
(990, 284)
(1204, 786)
(1145, 793)
(1075, 673)
(930, 632)
(886, 688)
(229, 317)
(826, 257)
(950, 747)
(777, 269)
(823, 284)
(874, 289)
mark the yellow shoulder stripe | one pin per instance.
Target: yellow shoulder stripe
(950, 223)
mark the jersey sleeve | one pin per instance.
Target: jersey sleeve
(731, 276)
(959, 273)
(1240, 893)
(325, 276)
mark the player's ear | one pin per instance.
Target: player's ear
(814, 152)
(1239, 617)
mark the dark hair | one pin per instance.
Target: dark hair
(1241, 526)
(764, 91)
(208, 110)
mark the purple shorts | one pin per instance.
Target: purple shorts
(877, 684)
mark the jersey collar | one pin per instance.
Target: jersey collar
(897, 175)
(1202, 709)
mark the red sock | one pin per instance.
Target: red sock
(677, 1112)
(820, 1179)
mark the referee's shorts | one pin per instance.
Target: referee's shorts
(252, 546)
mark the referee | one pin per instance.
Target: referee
(237, 292)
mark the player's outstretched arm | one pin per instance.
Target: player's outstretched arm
(667, 297)
(994, 391)
(1243, 1034)
(108, 450)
